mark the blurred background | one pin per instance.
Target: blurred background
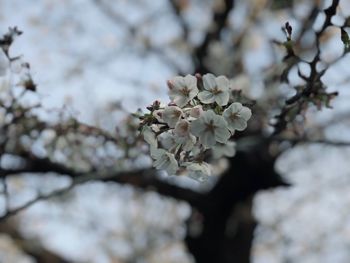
(93, 56)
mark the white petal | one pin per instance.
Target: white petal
(198, 176)
(219, 121)
(191, 81)
(222, 135)
(190, 142)
(178, 82)
(197, 127)
(208, 139)
(209, 81)
(149, 136)
(156, 153)
(182, 128)
(199, 171)
(222, 98)
(235, 107)
(196, 111)
(167, 140)
(161, 163)
(172, 164)
(171, 115)
(208, 116)
(158, 115)
(206, 97)
(239, 124)
(223, 83)
(245, 113)
(180, 100)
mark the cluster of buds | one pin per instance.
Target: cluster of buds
(201, 117)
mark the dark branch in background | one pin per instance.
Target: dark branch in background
(229, 203)
(175, 4)
(219, 21)
(314, 91)
(142, 179)
(329, 12)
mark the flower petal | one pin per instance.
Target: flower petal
(197, 127)
(149, 136)
(180, 100)
(209, 82)
(206, 97)
(207, 138)
(190, 81)
(222, 98)
(245, 113)
(223, 83)
(222, 134)
(240, 124)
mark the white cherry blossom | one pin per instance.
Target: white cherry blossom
(183, 135)
(158, 114)
(237, 116)
(210, 128)
(199, 171)
(196, 111)
(167, 140)
(163, 160)
(216, 90)
(149, 136)
(182, 128)
(171, 115)
(182, 89)
(195, 122)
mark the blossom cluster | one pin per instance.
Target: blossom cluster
(201, 117)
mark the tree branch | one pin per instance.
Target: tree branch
(218, 24)
(143, 179)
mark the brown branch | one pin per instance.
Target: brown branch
(143, 179)
(177, 10)
(219, 21)
(314, 86)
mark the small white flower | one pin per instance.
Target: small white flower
(199, 171)
(149, 136)
(167, 140)
(183, 89)
(210, 128)
(237, 116)
(182, 130)
(164, 160)
(171, 115)
(196, 111)
(158, 114)
(228, 149)
(216, 89)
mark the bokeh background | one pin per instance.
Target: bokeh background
(88, 56)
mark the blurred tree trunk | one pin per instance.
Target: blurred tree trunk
(225, 217)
